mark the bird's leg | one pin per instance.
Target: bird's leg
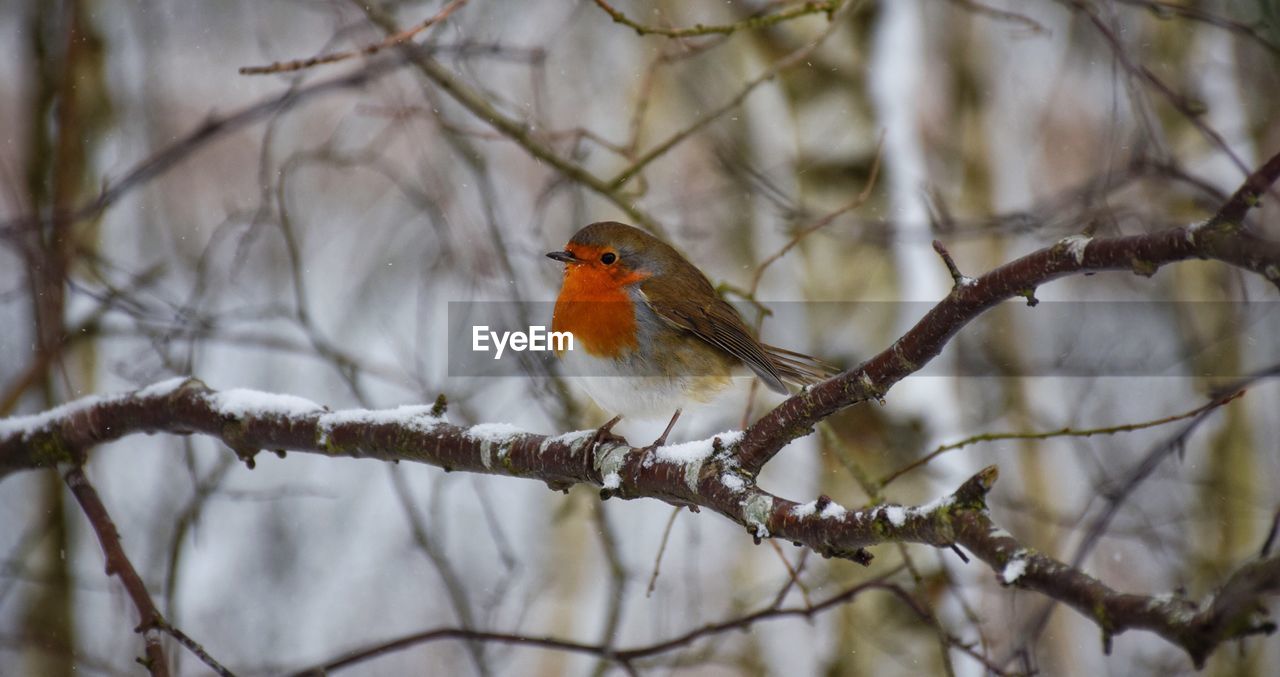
(662, 439)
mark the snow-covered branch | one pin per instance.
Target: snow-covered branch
(1223, 237)
(705, 474)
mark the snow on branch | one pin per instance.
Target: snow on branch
(1223, 237)
(720, 473)
(705, 474)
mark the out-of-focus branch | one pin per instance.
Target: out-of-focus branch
(623, 657)
(516, 130)
(400, 38)
(796, 57)
(248, 421)
(1223, 237)
(984, 10)
(1050, 434)
(1141, 72)
(758, 21)
(211, 129)
(1191, 12)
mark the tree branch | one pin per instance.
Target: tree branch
(757, 21)
(1223, 237)
(213, 128)
(515, 130)
(722, 477)
(248, 421)
(399, 38)
(118, 565)
(622, 657)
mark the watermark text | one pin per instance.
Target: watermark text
(537, 339)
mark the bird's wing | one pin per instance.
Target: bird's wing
(717, 323)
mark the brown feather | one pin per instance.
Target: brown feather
(678, 293)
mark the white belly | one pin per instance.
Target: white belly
(609, 384)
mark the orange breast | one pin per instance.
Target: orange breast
(594, 306)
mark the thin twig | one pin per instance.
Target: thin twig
(997, 14)
(149, 619)
(786, 62)
(793, 577)
(213, 128)
(623, 658)
(662, 548)
(1145, 74)
(400, 38)
(1165, 10)
(1271, 535)
(807, 230)
(759, 21)
(1050, 434)
(514, 129)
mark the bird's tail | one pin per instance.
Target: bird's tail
(798, 368)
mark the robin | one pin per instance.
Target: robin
(650, 330)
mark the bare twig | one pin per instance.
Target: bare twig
(149, 619)
(997, 14)
(1145, 74)
(796, 57)
(1050, 434)
(510, 127)
(759, 21)
(400, 38)
(1271, 534)
(616, 597)
(793, 576)
(809, 229)
(623, 658)
(212, 129)
(152, 623)
(1194, 13)
(662, 548)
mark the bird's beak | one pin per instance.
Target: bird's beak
(563, 257)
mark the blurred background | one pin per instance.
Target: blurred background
(305, 231)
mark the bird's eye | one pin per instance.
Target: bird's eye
(608, 258)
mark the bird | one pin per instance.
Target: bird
(650, 332)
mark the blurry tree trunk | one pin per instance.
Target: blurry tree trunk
(68, 108)
(48, 626)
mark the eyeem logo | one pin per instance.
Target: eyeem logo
(1069, 339)
(537, 339)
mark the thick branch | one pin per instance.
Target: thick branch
(248, 421)
(1223, 238)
